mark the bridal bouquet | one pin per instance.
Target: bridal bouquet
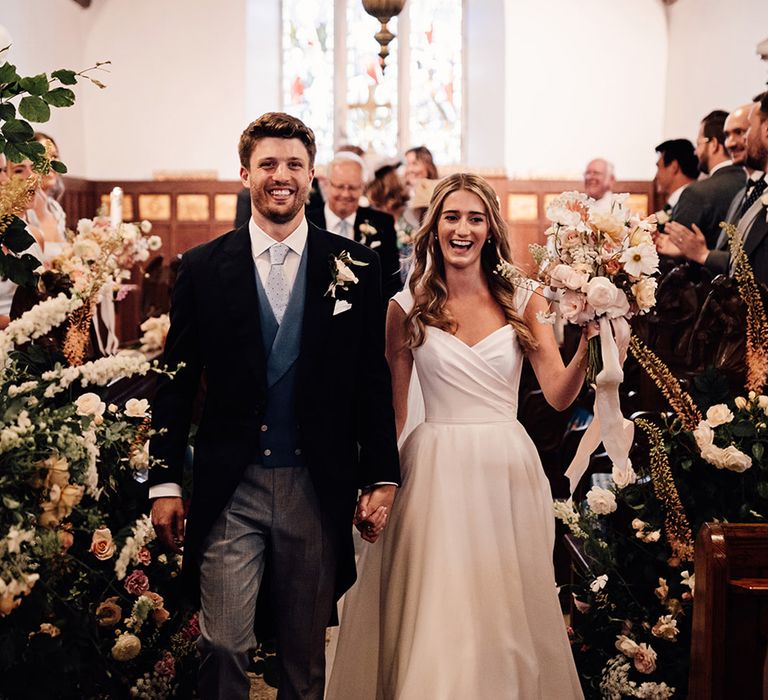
(600, 260)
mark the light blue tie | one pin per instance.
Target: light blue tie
(343, 228)
(277, 285)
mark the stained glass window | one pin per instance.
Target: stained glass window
(371, 93)
(308, 64)
(314, 72)
(435, 77)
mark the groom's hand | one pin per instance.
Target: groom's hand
(372, 511)
(168, 521)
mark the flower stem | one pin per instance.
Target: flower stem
(594, 359)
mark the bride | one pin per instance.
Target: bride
(458, 600)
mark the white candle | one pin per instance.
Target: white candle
(116, 207)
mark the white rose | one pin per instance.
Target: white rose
(719, 415)
(146, 226)
(626, 646)
(645, 292)
(601, 501)
(84, 227)
(638, 524)
(574, 308)
(704, 435)
(623, 477)
(566, 276)
(136, 408)
(154, 243)
(740, 402)
(90, 404)
(735, 460)
(605, 298)
(762, 402)
(86, 248)
(713, 455)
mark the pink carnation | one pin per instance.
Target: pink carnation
(137, 583)
(144, 556)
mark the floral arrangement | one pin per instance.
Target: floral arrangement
(155, 330)
(102, 254)
(600, 260)
(633, 604)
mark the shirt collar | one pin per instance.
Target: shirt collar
(757, 175)
(332, 221)
(672, 200)
(262, 241)
(724, 164)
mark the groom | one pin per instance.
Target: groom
(298, 416)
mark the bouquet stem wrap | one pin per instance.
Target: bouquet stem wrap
(608, 426)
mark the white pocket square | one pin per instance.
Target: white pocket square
(375, 244)
(341, 306)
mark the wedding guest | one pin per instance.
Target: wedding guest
(342, 214)
(298, 416)
(419, 165)
(705, 203)
(676, 168)
(599, 179)
(386, 191)
(693, 244)
(460, 600)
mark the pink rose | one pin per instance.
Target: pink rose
(137, 583)
(565, 276)
(645, 658)
(574, 308)
(144, 556)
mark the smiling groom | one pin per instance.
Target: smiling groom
(298, 416)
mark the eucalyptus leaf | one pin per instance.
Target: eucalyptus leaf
(35, 85)
(64, 76)
(17, 131)
(60, 97)
(34, 108)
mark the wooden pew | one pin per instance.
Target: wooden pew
(730, 613)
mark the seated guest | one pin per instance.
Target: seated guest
(599, 179)
(705, 203)
(342, 214)
(386, 191)
(676, 168)
(748, 208)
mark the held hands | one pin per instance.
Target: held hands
(168, 521)
(372, 511)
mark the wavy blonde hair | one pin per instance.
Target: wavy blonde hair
(428, 286)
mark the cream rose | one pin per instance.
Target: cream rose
(704, 436)
(154, 243)
(126, 647)
(762, 402)
(84, 227)
(136, 408)
(601, 501)
(625, 645)
(735, 460)
(645, 293)
(90, 404)
(645, 659)
(87, 249)
(611, 225)
(146, 226)
(605, 298)
(666, 628)
(740, 402)
(623, 477)
(640, 236)
(719, 415)
(102, 544)
(71, 495)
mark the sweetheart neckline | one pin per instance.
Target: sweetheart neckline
(479, 342)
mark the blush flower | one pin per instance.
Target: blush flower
(137, 583)
(102, 545)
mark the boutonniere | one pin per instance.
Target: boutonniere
(366, 230)
(341, 272)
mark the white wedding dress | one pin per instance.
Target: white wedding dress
(457, 600)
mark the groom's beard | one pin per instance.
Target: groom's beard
(279, 212)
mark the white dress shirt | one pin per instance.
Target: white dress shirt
(332, 222)
(675, 196)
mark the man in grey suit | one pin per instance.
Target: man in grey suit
(705, 203)
(298, 417)
(745, 144)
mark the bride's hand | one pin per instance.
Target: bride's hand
(372, 527)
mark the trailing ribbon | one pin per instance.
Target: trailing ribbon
(608, 426)
(106, 309)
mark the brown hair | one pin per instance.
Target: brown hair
(386, 191)
(424, 155)
(428, 278)
(276, 125)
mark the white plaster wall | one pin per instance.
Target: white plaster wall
(49, 35)
(176, 96)
(712, 60)
(485, 80)
(583, 79)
